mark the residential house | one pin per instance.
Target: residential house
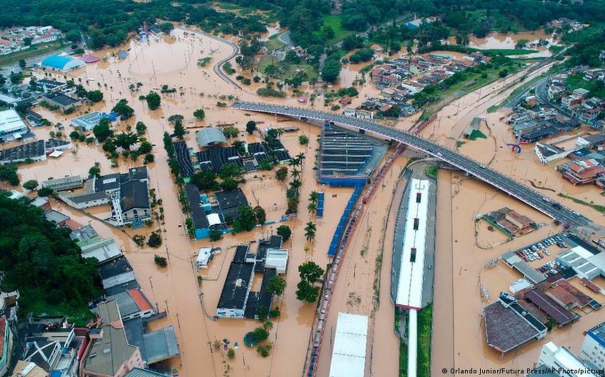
(51, 345)
(581, 171)
(6, 345)
(109, 354)
(61, 101)
(548, 153)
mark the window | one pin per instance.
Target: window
(416, 223)
(418, 197)
(413, 255)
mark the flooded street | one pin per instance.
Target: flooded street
(365, 272)
(175, 288)
(509, 41)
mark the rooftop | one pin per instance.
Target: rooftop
(87, 122)
(138, 372)
(506, 330)
(210, 136)
(109, 353)
(349, 352)
(62, 99)
(561, 315)
(114, 267)
(236, 286)
(134, 194)
(231, 199)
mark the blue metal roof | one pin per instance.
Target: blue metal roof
(56, 61)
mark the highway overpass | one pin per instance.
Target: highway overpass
(504, 183)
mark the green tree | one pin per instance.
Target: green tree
(140, 128)
(215, 235)
(230, 170)
(246, 220)
(145, 147)
(303, 140)
(229, 184)
(250, 127)
(204, 180)
(331, 70)
(95, 170)
(95, 96)
(45, 191)
(15, 78)
(123, 110)
(276, 285)
(231, 352)
(312, 207)
(314, 197)
(199, 114)
(284, 231)
(230, 132)
(30, 185)
(166, 27)
(154, 240)
(310, 230)
(260, 214)
(22, 63)
(306, 292)
(179, 130)
(260, 334)
(160, 261)
(282, 173)
(149, 158)
(310, 272)
(126, 140)
(268, 325)
(153, 100)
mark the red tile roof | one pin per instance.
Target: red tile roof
(139, 299)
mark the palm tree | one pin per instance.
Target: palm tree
(295, 184)
(310, 230)
(312, 207)
(295, 173)
(314, 197)
(301, 157)
(268, 325)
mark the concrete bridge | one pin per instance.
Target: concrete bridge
(501, 181)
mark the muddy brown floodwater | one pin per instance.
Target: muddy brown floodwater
(472, 244)
(172, 61)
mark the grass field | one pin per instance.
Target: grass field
(274, 43)
(340, 32)
(30, 53)
(463, 88)
(596, 207)
(596, 87)
(291, 70)
(425, 327)
(508, 52)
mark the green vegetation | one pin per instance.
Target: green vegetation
(274, 43)
(160, 261)
(477, 134)
(44, 264)
(596, 207)
(431, 171)
(425, 327)
(31, 52)
(309, 273)
(8, 173)
(335, 24)
(153, 100)
(284, 231)
(596, 87)
(276, 285)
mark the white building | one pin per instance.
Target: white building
(278, 259)
(204, 256)
(408, 259)
(593, 347)
(578, 258)
(349, 352)
(548, 153)
(563, 362)
(11, 126)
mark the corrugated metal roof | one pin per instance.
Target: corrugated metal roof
(349, 353)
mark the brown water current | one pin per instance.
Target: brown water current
(173, 61)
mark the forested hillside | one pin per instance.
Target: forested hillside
(43, 263)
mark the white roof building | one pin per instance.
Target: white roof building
(349, 352)
(203, 257)
(561, 359)
(278, 259)
(410, 276)
(578, 258)
(11, 125)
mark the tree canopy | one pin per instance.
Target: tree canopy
(42, 262)
(153, 100)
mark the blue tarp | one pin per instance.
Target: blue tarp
(320, 205)
(343, 221)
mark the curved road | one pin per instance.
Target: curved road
(520, 191)
(217, 67)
